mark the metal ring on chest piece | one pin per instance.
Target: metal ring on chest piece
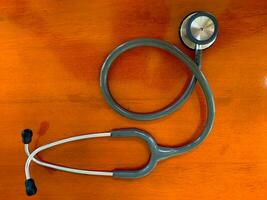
(199, 28)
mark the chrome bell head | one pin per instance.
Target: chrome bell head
(199, 30)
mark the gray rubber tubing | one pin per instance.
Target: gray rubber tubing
(151, 43)
(158, 152)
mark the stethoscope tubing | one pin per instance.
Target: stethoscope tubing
(157, 152)
(172, 49)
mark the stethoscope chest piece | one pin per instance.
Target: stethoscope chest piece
(199, 29)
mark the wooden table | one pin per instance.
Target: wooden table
(50, 59)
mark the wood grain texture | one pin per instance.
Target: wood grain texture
(50, 58)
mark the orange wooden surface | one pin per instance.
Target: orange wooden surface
(50, 58)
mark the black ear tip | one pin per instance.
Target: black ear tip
(31, 188)
(26, 136)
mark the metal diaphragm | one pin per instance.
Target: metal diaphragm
(199, 28)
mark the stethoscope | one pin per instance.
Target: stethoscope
(198, 31)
